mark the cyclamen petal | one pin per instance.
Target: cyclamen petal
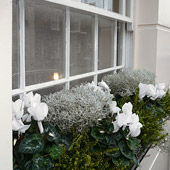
(103, 85)
(39, 111)
(134, 130)
(114, 108)
(116, 127)
(127, 108)
(123, 119)
(18, 109)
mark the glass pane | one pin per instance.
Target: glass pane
(114, 5)
(98, 3)
(52, 89)
(79, 81)
(100, 76)
(119, 43)
(106, 43)
(128, 4)
(45, 49)
(81, 43)
(15, 45)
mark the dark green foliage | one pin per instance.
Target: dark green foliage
(152, 114)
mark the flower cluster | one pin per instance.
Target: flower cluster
(151, 91)
(126, 119)
(36, 110)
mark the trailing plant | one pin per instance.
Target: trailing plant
(82, 106)
(125, 82)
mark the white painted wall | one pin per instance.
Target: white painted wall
(5, 84)
(152, 52)
(152, 37)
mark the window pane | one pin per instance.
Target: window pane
(45, 49)
(106, 43)
(114, 5)
(100, 76)
(48, 90)
(119, 43)
(98, 3)
(78, 82)
(15, 45)
(81, 43)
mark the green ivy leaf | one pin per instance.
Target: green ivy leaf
(55, 151)
(31, 144)
(133, 143)
(51, 132)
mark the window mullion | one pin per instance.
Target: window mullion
(123, 44)
(96, 47)
(22, 43)
(67, 48)
(105, 4)
(122, 7)
(115, 44)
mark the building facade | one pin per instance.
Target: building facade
(71, 41)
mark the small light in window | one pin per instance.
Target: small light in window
(56, 76)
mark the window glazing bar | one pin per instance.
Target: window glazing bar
(22, 43)
(92, 9)
(115, 44)
(96, 46)
(123, 44)
(67, 48)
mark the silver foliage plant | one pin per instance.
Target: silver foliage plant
(82, 106)
(125, 82)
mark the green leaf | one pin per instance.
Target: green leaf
(108, 140)
(28, 165)
(115, 154)
(38, 162)
(133, 143)
(125, 162)
(95, 132)
(51, 133)
(117, 136)
(55, 152)
(47, 164)
(31, 144)
(127, 152)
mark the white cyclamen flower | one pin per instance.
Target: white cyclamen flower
(94, 86)
(128, 119)
(17, 113)
(149, 90)
(114, 108)
(30, 99)
(104, 85)
(135, 129)
(18, 109)
(39, 111)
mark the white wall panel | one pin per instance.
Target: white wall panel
(5, 85)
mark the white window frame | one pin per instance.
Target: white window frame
(76, 4)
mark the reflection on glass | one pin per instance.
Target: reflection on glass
(80, 81)
(97, 3)
(15, 45)
(81, 43)
(106, 43)
(119, 43)
(45, 32)
(114, 5)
